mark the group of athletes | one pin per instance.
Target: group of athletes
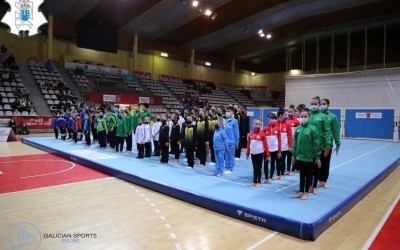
(299, 140)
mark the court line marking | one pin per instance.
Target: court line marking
(262, 241)
(66, 184)
(30, 176)
(381, 224)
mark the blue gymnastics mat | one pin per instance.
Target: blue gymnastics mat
(359, 168)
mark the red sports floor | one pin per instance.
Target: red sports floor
(19, 173)
(389, 236)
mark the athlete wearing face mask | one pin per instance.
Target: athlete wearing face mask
(155, 130)
(273, 136)
(306, 153)
(231, 128)
(189, 137)
(102, 130)
(294, 123)
(320, 121)
(335, 128)
(257, 146)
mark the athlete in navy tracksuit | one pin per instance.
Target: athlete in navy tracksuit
(54, 125)
(62, 125)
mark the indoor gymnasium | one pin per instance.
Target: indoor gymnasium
(210, 124)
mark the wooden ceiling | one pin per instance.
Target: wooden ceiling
(176, 27)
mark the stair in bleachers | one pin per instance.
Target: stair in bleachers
(280, 100)
(238, 96)
(170, 101)
(34, 92)
(70, 83)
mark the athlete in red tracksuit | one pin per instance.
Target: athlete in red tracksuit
(273, 135)
(286, 141)
(258, 147)
(294, 123)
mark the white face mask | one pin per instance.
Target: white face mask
(323, 107)
(303, 120)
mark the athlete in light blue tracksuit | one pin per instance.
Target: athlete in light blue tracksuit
(231, 128)
(220, 147)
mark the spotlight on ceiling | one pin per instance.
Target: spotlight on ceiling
(208, 64)
(195, 3)
(208, 12)
(260, 32)
(164, 54)
(269, 36)
(214, 17)
(253, 74)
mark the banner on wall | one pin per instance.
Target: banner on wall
(366, 115)
(144, 99)
(95, 68)
(36, 122)
(109, 98)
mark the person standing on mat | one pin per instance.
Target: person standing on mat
(147, 137)
(139, 138)
(163, 140)
(112, 126)
(294, 122)
(273, 136)
(129, 128)
(175, 138)
(286, 142)
(220, 147)
(202, 138)
(155, 130)
(122, 131)
(211, 123)
(320, 121)
(102, 130)
(54, 125)
(335, 128)
(231, 128)
(306, 153)
(76, 126)
(62, 126)
(189, 138)
(86, 128)
(257, 146)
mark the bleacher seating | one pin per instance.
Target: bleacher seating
(156, 88)
(280, 100)
(14, 97)
(180, 87)
(238, 95)
(57, 94)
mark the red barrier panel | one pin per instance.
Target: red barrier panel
(33, 122)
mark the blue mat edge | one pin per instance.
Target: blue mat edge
(305, 231)
(339, 211)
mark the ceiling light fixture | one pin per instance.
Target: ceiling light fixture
(253, 74)
(195, 3)
(208, 12)
(164, 54)
(269, 36)
(208, 64)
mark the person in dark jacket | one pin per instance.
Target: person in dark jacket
(164, 140)
(13, 125)
(189, 138)
(175, 138)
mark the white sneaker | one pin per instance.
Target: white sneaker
(237, 159)
(227, 172)
(189, 167)
(211, 163)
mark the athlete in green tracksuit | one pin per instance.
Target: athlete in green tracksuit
(129, 128)
(121, 131)
(112, 124)
(320, 121)
(306, 152)
(102, 130)
(335, 128)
